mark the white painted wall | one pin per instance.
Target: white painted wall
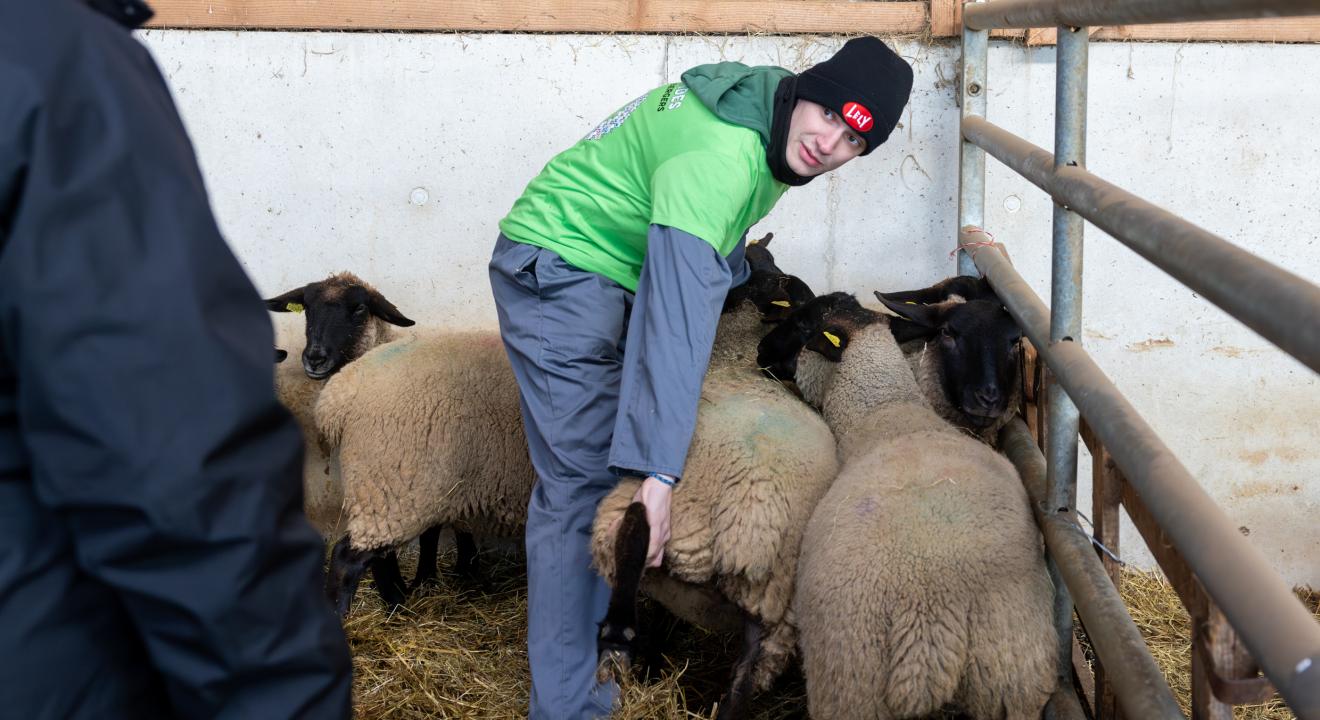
(313, 145)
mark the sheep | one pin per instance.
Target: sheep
(921, 581)
(427, 431)
(952, 372)
(344, 317)
(759, 461)
(409, 431)
(985, 393)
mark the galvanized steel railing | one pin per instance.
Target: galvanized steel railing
(1214, 568)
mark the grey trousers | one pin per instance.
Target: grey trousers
(564, 331)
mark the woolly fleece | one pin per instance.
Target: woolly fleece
(921, 581)
(760, 460)
(428, 431)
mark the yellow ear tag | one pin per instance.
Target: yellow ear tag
(909, 302)
(293, 307)
(834, 339)
(781, 303)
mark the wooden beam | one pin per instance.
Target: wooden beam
(1289, 30)
(1106, 494)
(946, 21)
(552, 16)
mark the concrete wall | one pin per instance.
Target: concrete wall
(394, 155)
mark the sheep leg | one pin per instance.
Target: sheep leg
(740, 690)
(615, 644)
(466, 565)
(341, 580)
(389, 580)
(427, 552)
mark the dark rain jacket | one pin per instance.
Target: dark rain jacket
(154, 558)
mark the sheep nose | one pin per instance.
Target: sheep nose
(988, 396)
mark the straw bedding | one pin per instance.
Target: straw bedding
(460, 651)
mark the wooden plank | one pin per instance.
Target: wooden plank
(1106, 493)
(1290, 30)
(716, 16)
(1171, 561)
(1211, 644)
(946, 21)
(1218, 655)
(1082, 677)
(946, 18)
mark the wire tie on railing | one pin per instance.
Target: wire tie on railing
(1094, 540)
(971, 248)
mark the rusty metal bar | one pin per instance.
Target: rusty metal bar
(1279, 305)
(1223, 672)
(1005, 14)
(1280, 633)
(1137, 679)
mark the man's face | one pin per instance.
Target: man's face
(819, 140)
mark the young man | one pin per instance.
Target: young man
(155, 561)
(631, 239)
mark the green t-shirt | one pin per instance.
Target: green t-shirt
(662, 159)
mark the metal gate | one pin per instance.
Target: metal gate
(1244, 616)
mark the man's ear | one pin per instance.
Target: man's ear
(385, 310)
(291, 301)
(830, 342)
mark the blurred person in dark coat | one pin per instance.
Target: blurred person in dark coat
(154, 558)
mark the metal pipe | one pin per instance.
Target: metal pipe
(1066, 302)
(1080, 13)
(1280, 633)
(1138, 683)
(971, 168)
(1279, 305)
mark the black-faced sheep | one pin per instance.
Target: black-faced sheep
(343, 318)
(954, 368)
(921, 581)
(759, 461)
(426, 431)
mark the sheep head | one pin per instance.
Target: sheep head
(344, 316)
(974, 336)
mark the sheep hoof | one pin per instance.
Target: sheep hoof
(614, 664)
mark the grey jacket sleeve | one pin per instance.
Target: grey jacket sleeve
(142, 354)
(737, 262)
(670, 333)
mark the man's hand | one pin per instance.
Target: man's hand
(654, 494)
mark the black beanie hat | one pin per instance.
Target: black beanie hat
(866, 83)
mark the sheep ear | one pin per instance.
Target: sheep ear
(763, 242)
(830, 342)
(759, 256)
(962, 286)
(385, 310)
(927, 316)
(777, 353)
(905, 330)
(291, 301)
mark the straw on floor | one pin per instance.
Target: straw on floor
(459, 651)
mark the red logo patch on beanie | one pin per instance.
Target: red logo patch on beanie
(858, 116)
